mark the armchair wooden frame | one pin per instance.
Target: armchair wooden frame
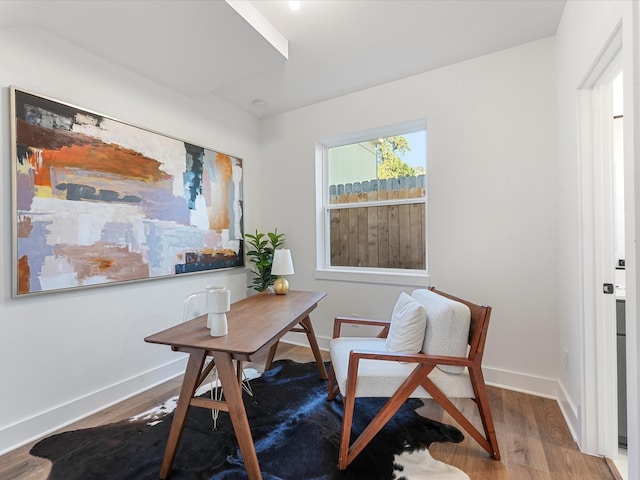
(419, 377)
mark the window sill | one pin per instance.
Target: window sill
(363, 275)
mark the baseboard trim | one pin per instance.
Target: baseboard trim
(300, 339)
(520, 382)
(45, 423)
(570, 413)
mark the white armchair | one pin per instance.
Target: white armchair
(431, 348)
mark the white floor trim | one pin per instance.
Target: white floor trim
(45, 423)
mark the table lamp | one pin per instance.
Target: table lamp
(281, 265)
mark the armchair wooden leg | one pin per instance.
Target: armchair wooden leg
(482, 402)
(458, 416)
(345, 437)
(348, 453)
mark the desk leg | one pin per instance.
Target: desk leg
(233, 397)
(313, 342)
(189, 385)
(272, 354)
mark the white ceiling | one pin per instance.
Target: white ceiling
(204, 48)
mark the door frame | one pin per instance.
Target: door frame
(599, 415)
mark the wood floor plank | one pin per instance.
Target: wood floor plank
(559, 446)
(523, 441)
(534, 440)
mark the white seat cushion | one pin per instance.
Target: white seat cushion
(408, 321)
(448, 325)
(380, 378)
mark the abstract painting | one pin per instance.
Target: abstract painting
(98, 201)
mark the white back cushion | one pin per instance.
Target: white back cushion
(448, 324)
(408, 321)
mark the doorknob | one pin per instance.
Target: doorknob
(607, 288)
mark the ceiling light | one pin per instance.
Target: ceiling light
(294, 5)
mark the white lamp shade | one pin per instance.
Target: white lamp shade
(282, 263)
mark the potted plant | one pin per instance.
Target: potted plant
(260, 253)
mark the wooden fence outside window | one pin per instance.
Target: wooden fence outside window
(381, 235)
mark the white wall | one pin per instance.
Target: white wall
(492, 226)
(64, 355)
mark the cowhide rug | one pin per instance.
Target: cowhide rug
(295, 429)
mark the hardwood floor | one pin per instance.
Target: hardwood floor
(535, 443)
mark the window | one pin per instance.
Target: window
(372, 215)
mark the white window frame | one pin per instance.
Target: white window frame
(324, 271)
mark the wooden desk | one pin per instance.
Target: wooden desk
(256, 324)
